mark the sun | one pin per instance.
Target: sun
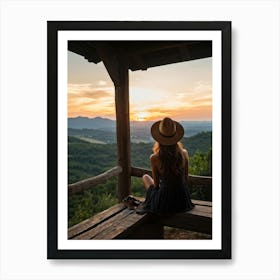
(141, 116)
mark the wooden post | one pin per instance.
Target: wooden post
(123, 131)
(116, 65)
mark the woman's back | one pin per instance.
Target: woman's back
(174, 168)
(167, 192)
(170, 193)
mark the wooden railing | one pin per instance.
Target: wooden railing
(93, 181)
(193, 179)
(135, 171)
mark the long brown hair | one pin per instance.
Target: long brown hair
(171, 158)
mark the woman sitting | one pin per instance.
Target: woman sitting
(167, 192)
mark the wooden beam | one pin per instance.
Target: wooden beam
(200, 180)
(193, 179)
(93, 181)
(110, 59)
(157, 46)
(202, 202)
(123, 131)
(139, 172)
(139, 62)
(193, 220)
(185, 53)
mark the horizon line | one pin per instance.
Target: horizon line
(182, 120)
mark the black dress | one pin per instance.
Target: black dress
(172, 196)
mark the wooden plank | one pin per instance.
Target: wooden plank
(123, 226)
(200, 205)
(189, 221)
(202, 202)
(202, 210)
(184, 52)
(194, 179)
(193, 220)
(112, 222)
(200, 180)
(123, 133)
(93, 181)
(120, 222)
(156, 47)
(138, 226)
(94, 221)
(194, 201)
(145, 231)
(139, 172)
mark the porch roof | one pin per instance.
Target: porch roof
(141, 55)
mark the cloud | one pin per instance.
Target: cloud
(202, 101)
(201, 86)
(194, 103)
(88, 90)
(102, 83)
(199, 96)
(179, 111)
(87, 100)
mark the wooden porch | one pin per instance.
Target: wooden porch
(117, 221)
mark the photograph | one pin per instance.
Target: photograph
(139, 140)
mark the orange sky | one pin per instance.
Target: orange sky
(182, 91)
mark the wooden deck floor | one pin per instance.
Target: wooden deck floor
(118, 222)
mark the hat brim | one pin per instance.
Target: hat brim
(165, 140)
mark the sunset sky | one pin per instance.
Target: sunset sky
(182, 91)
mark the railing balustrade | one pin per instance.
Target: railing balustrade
(135, 172)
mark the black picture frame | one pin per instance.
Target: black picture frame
(53, 27)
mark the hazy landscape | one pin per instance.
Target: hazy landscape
(103, 131)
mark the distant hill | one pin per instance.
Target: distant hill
(89, 159)
(200, 142)
(140, 131)
(105, 136)
(91, 123)
(195, 127)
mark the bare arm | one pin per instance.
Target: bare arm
(154, 167)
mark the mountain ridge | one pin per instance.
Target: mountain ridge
(91, 123)
(140, 131)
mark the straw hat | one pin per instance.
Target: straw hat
(167, 132)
